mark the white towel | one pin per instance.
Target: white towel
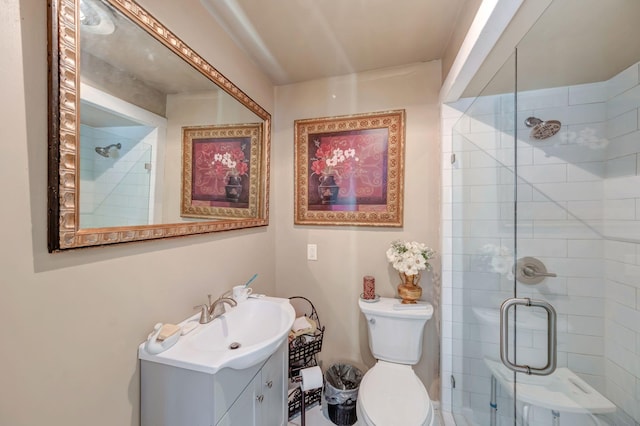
(302, 325)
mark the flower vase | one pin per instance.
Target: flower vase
(409, 290)
(328, 189)
(233, 188)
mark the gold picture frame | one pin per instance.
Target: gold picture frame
(349, 170)
(222, 171)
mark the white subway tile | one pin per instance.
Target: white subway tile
(544, 98)
(575, 114)
(623, 273)
(543, 173)
(622, 229)
(488, 139)
(585, 171)
(586, 210)
(618, 334)
(622, 187)
(479, 159)
(486, 123)
(623, 124)
(571, 229)
(582, 324)
(586, 248)
(621, 166)
(625, 102)
(542, 248)
(483, 105)
(475, 177)
(624, 315)
(446, 125)
(623, 81)
(580, 363)
(582, 344)
(579, 305)
(624, 209)
(541, 210)
(587, 93)
(571, 191)
(623, 359)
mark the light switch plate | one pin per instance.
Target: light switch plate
(312, 252)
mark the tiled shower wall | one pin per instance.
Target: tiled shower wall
(115, 191)
(578, 211)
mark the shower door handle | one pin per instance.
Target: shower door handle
(552, 340)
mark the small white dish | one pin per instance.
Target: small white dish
(374, 300)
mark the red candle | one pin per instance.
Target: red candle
(369, 288)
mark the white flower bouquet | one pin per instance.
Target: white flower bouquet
(410, 258)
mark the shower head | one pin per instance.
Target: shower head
(542, 129)
(109, 150)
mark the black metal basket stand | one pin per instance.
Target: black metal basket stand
(302, 354)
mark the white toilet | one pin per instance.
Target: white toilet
(391, 393)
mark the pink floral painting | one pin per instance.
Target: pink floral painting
(357, 163)
(215, 162)
(221, 171)
(349, 170)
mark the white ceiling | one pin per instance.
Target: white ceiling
(301, 40)
(576, 41)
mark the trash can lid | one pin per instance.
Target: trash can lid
(393, 394)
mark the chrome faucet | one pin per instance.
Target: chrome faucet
(214, 309)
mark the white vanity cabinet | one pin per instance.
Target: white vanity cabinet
(173, 396)
(263, 400)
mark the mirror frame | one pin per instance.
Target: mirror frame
(63, 177)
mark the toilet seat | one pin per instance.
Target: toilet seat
(391, 394)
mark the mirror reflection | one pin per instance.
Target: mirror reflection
(136, 95)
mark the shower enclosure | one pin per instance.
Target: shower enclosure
(121, 162)
(541, 271)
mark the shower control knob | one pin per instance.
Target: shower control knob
(529, 270)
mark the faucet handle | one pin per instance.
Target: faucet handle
(204, 313)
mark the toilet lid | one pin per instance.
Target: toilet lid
(392, 394)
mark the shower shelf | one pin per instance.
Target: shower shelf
(562, 390)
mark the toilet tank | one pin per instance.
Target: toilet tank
(395, 330)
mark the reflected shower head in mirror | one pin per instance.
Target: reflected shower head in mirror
(542, 129)
(95, 18)
(109, 151)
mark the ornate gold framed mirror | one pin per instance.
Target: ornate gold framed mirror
(123, 90)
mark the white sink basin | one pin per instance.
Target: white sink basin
(256, 326)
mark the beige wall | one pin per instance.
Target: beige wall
(72, 321)
(346, 254)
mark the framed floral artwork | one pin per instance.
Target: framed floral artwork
(349, 170)
(221, 171)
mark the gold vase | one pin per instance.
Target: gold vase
(409, 290)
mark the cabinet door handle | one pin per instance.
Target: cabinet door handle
(260, 398)
(269, 384)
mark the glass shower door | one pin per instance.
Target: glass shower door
(483, 248)
(545, 217)
(576, 245)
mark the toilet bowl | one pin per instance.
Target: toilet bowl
(390, 392)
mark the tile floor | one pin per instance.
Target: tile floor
(315, 417)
